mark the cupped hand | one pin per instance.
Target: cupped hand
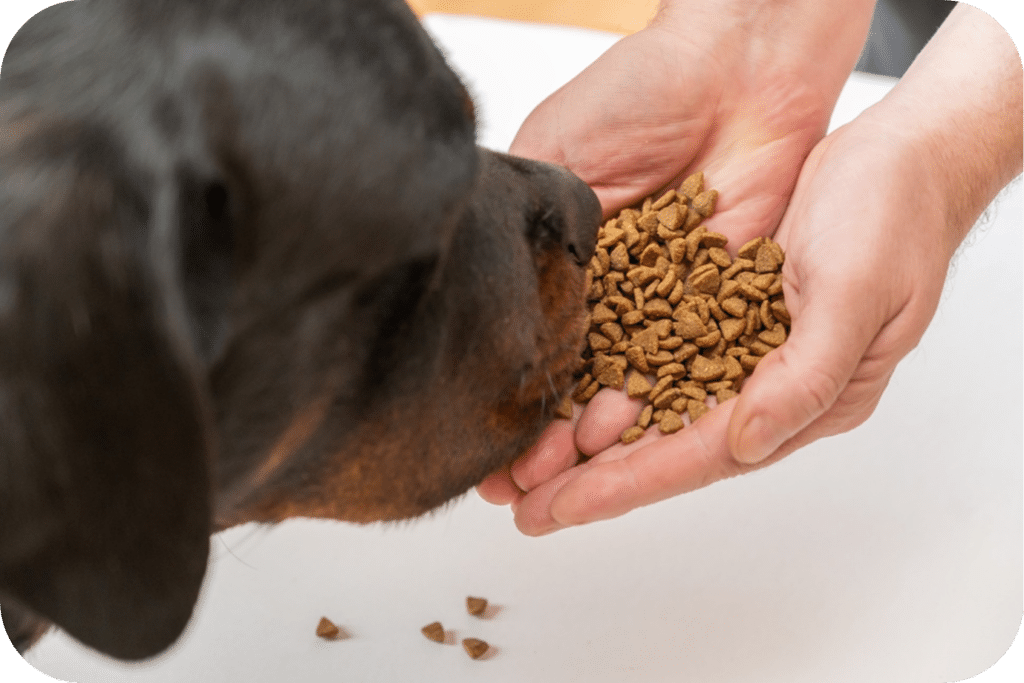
(867, 249)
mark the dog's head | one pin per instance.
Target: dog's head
(253, 266)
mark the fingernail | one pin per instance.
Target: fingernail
(755, 442)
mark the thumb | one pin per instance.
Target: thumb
(801, 379)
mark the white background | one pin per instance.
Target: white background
(892, 553)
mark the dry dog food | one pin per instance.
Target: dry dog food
(327, 630)
(434, 632)
(674, 318)
(476, 606)
(475, 647)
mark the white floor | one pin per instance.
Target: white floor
(892, 553)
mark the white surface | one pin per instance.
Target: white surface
(892, 553)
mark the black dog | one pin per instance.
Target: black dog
(253, 266)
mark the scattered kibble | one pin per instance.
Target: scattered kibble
(434, 632)
(327, 630)
(475, 647)
(476, 606)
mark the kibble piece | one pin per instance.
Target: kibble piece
(693, 185)
(603, 314)
(663, 201)
(749, 250)
(598, 342)
(327, 630)
(696, 409)
(780, 312)
(704, 203)
(638, 386)
(732, 328)
(475, 647)
(631, 434)
(476, 606)
(636, 358)
(670, 422)
(644, 421)
(705, 370)
(564, 409)
(688, 324)
(434, 632)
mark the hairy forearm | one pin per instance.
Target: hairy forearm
(818, 42)
(960, 105)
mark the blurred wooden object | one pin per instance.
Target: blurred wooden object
(618, 16)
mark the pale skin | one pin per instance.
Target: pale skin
(869, 217)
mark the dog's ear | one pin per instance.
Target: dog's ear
(105, 508)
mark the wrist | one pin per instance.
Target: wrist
(815, 42)
(958, 110)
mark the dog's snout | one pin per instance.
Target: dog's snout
(570, 211)
(583, 216)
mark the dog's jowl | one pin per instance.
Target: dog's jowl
(253, 266)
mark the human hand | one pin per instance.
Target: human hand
(866, 256)
(879, 208)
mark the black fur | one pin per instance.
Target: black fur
(253, 266)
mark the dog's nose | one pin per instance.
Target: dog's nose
(576, 211)
(583, 217)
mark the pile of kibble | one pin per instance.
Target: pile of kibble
(669, 302)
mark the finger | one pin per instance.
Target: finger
(499, 489)
(554, 452)
(799, 381)
(603, 419)
(677, 463)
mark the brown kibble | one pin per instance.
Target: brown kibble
(327, 630)
(633, 317)
(748, 363)
(670, 422)
(664, 200)
(644, 420)
(704, 370)
(671, 217)
(647, 340)
(732, 328)
(693, 185)
(688, 324)
(659, 358)
(434, 632)
(704, 203)
(619, 257)
(603, 314)
(598, 342)
(475, 647)
(720, 257)
(665, 398)
(587, 393)
(764, 259)
(612, 376)
(676, 370)
(775, 336)
(564, 409)
(635, 356)
(667, 298)
(696, 409)
(749, 250)
(780, 311)
(638, 386)
(631, 434)
(705, 279)
(610, 237)
(657, 308)
(476, 606)
(660, 386)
